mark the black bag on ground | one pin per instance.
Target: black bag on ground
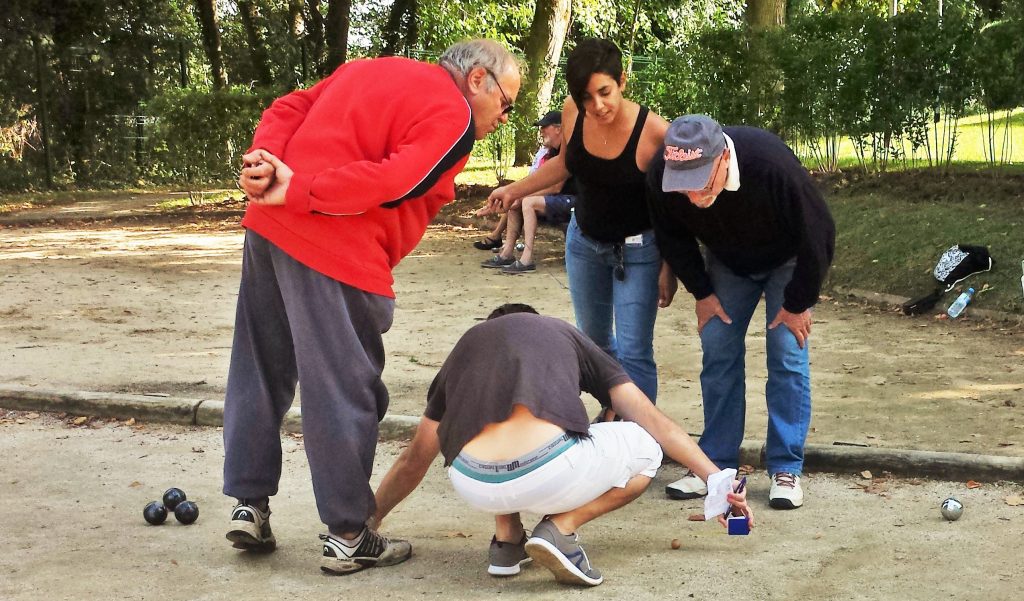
(956, 264)
(959, 262)
(922, 304)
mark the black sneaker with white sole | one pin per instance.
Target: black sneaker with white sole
(369, 550)
(250, 528)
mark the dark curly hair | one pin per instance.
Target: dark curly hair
(508, 308)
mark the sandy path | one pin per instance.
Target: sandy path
(150, 309)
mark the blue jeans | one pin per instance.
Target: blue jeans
(601, 301)
(722, 378)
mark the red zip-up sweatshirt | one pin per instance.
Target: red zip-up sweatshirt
(375, 148)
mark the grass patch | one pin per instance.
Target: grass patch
(892, 228)
(198, 198)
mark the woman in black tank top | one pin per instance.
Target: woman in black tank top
(616, 276)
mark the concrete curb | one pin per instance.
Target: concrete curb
(823, 458)
(895, 303)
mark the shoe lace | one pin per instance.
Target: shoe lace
(785, 479)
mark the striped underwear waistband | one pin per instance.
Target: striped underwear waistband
(503, 471)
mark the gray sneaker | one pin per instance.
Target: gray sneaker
(562, 554)
(374, 550)
(250, 529)
(506, 559)
(519, 267)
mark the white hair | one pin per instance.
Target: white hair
(462, 57)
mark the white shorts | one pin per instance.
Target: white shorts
(614, 454)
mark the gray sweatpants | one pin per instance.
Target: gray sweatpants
(296, 325)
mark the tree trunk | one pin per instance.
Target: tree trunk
(763, 16)
(400, 29)
(766, 14)
(542, 51)
(295, 17)
(336, 33)
(207, 10)
(183, 63)
(315, 34)
(295, 31)
(44, 119)
(257, 47)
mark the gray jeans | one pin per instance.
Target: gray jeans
(293, 325)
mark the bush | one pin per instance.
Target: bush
(198, 136)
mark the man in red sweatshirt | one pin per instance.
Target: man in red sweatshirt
(342, 180)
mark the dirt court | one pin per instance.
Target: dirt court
(78, 534)
(149, 308)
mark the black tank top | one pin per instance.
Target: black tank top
(611, 200)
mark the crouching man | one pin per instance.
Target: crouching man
(515, 437)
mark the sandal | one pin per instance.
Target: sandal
(487, 244)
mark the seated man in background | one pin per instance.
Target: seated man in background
(554, 205)
(515, 435)
(493, 241)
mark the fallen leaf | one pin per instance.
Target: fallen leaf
(866, 474)
(197, 450)
(130, 422)
(135, 484)
(456, 535)
(877, 487)
(174, 562)
(697, 517)
(973, 484)
(1014, 500)
(78, 421)
(32, 415)
(19, 421)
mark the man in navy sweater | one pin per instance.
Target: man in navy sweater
(766, 230)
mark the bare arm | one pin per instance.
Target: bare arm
(408, 471)
(631, 403)
(553, 172)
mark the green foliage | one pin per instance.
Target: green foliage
(898, 87)
(199, 135)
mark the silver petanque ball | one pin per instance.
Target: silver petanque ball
(952, 509)
(520, 247)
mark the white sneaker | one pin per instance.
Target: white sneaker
(785, 492)
(371, 550)
(690, 486)
(250, 528)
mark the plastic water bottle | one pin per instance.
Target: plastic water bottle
(958, 305)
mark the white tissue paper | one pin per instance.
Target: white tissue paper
(719, 485)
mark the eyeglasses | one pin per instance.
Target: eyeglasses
(714, 175)
(508, 106)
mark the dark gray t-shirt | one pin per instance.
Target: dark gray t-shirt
(539, 362)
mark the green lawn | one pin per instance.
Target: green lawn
(971, 150)
(892, 228)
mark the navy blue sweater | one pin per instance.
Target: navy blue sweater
(777, 214)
